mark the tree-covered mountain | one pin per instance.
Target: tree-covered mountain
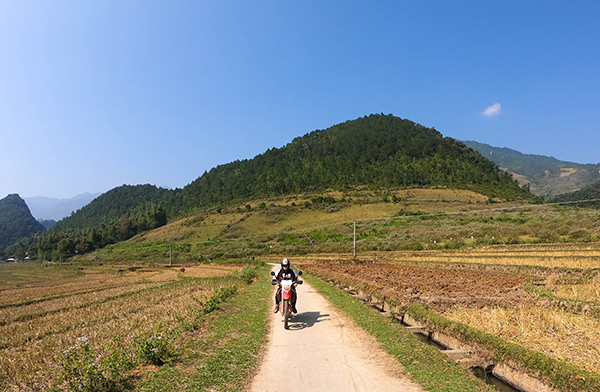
(379, 151)
(16, 221)
(112, 205)
(547, 176)
(114, 216)
(590, 192)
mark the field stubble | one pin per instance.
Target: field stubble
(485, 288)
(44, 320)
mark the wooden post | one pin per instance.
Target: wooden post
(354, 238)
(170, 257)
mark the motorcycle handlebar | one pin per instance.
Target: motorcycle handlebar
(275, 282)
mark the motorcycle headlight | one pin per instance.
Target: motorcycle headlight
(287, 287)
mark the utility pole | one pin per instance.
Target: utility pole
(355, 238)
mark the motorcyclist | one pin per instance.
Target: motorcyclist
(286, 272)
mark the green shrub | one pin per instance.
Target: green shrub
(221, 295)
(415, 246)
(154, 348)
(83, 371)
(247, 274)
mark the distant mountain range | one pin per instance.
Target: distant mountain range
(47, 208)
(546, 177)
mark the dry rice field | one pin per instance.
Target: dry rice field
(43, 315)
(490, 288)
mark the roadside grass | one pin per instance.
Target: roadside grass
(224, 353)
(426, 365)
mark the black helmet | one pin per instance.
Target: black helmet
(285, 263)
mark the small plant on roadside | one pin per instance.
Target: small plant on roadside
(212, 304)
(118, 359)
(154, 348)
(83, 371)
(247, 274)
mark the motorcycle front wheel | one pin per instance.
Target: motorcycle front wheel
(286, 313)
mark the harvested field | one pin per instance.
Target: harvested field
(439, 288)
(586, 256)
(40, 319)
(40, 286)
(489, 291)
(559, 334)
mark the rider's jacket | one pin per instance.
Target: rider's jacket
(289, 274)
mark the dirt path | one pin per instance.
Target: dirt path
(325, 351)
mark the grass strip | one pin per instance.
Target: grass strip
(223, 354)
(427, 365)
(558, 374)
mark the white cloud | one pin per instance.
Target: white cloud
(493, 110)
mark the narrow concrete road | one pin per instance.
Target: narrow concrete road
(323, 350)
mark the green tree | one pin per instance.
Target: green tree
(65, 248)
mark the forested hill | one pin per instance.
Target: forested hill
(115, 216)
(590, 192)
(130, 202)
(380, 151)
(377, 151)
(16, 221)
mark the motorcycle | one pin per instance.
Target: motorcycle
(286, 288)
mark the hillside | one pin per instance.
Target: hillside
(16, 221)
(112, 205)
(547, 176)
(378, 151)
(590, 192)
(403, 220)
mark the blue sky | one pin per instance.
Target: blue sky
(96, 94)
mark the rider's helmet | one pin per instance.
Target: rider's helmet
(285, 263)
